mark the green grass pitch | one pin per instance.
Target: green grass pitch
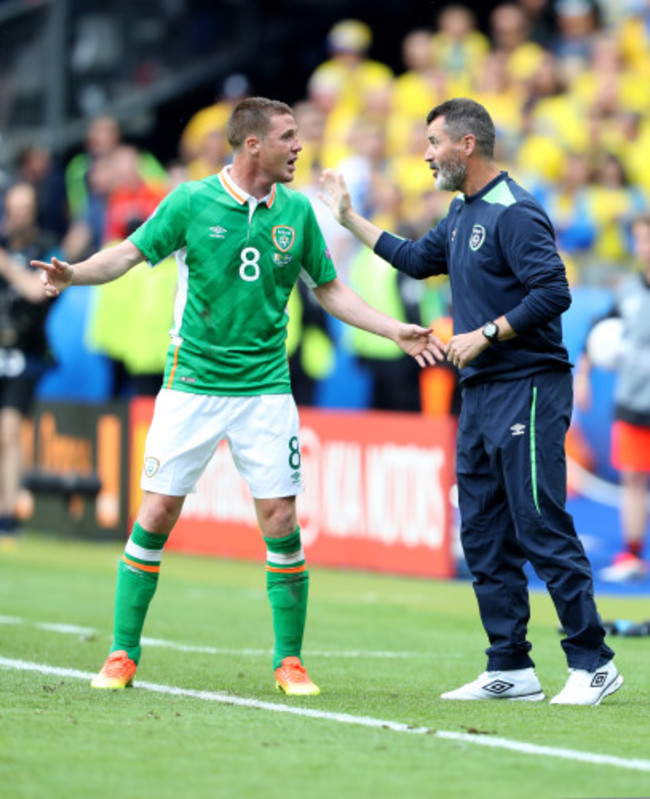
(381, 648)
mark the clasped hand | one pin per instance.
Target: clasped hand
(464, 347)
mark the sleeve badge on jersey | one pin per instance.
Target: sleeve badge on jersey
(151, 465)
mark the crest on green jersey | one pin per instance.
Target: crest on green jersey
(283, 237)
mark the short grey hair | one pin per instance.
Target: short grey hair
(463, 116)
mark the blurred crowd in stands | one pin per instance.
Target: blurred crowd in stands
(566, 83)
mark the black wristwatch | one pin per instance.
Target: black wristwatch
(491, 332)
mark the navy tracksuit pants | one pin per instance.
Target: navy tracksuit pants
(511, 468)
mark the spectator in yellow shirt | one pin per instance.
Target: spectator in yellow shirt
(213, 117)
(607, 83)
(509, 33)
(459, 48)
(634, 36)
(423, 84)
(349, 70)
(614, 204)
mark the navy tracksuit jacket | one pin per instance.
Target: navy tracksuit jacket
(498, 248)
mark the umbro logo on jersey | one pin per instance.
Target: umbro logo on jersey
(518, 429)
(218, 232)
(477, 238)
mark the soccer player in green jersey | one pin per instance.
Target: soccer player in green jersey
(241, 241)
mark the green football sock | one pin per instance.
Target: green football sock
(287, 586)
(137, 577)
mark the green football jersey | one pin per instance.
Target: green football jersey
(238, 260)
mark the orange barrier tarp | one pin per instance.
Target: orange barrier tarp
(376, 496)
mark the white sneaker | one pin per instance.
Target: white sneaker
(589, 687)
(519, 684)
(625, 568)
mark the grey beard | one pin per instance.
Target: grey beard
(451, 176)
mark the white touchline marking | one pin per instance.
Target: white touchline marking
(67, 629)
(71, 629)
(211, 650)
(347, 718)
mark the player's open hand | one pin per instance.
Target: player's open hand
(55, 276)
(335, 194)
(421, 343)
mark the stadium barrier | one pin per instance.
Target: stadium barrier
(377, 493)
(75, 469)
(377, 486)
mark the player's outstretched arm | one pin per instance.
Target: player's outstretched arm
(102, 267)
(344, 303)
(336, 197)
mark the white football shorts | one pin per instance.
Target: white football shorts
(262, 432)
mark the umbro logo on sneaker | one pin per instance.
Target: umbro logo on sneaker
(589, 687)
(599, 679)
(511, 684)
(218, 232)
(518, 429)
(498, 686)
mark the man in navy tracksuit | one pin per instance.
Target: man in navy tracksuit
(509, 289)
